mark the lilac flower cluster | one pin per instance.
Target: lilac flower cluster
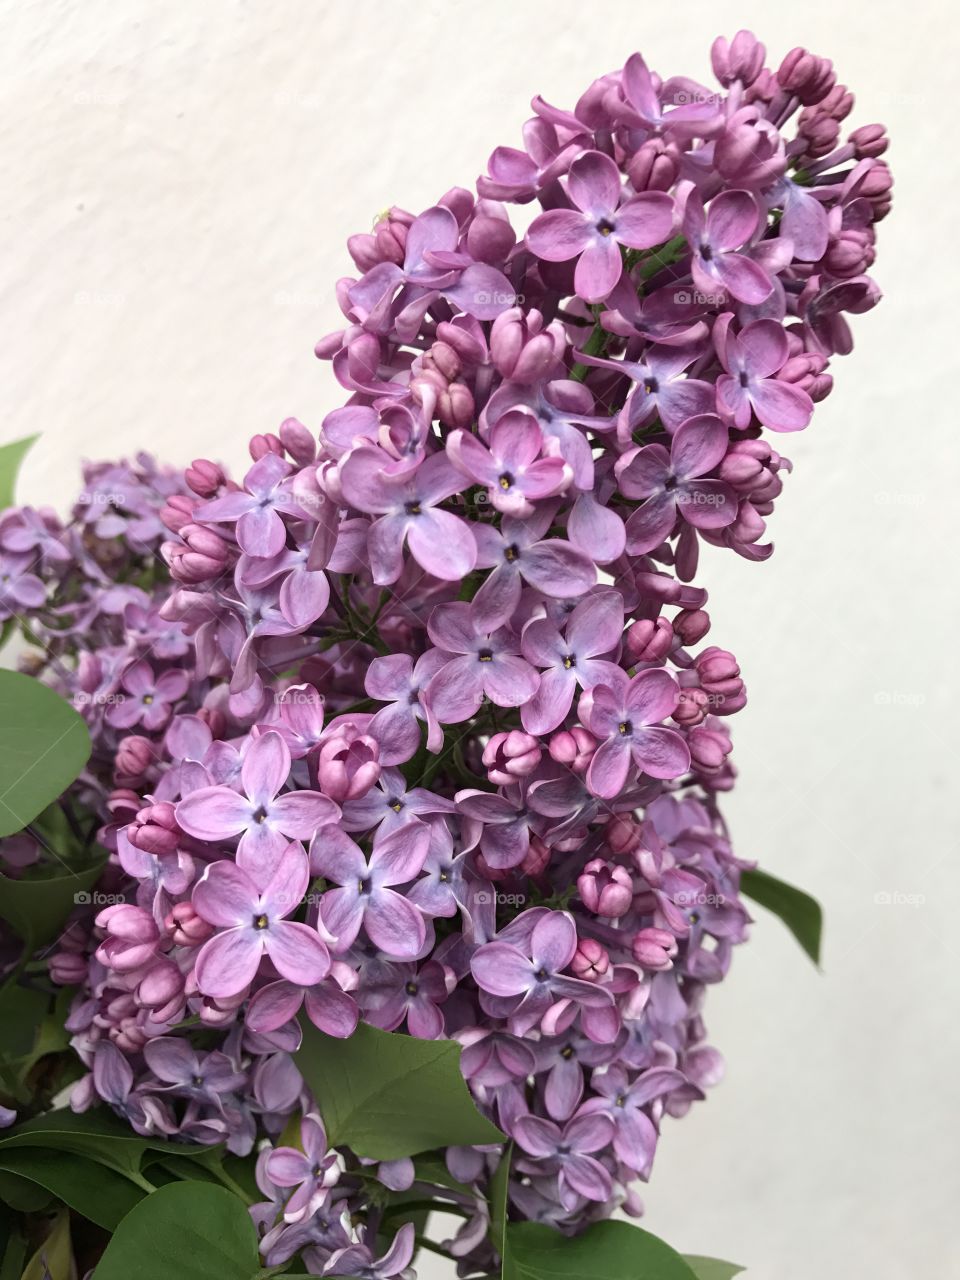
(425, 732)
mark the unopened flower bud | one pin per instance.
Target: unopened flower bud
(590, 961)
(204, 477)
(133, 759)
(649, 640)
(605, 889)
(574, 748)
(738, 59)
(155, 830)
(348, 764)
(691, 625)
(509, 756)
(654, 949)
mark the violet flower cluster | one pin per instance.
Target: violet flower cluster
(428, 731)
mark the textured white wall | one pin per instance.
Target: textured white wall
(179, 180)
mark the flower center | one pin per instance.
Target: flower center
(624, 727)
(605, 227)
(412, 508)
(260, 816)
(569, 660)
(506, 480)
(744, 378)
(485, 655)
(706, 253)
(260, 922)
(651, 386)
(511, 553)
(411, 988)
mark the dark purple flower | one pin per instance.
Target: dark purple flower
(626, 717)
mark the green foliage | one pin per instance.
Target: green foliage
(387, 1096)
(801, 914)
(43, 746)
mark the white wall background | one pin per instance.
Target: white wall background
(178, 184)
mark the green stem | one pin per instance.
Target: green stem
(424, 1243)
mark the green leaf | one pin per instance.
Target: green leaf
(11, 455)
(187, 1230)
(606, 1251)
(96, 1135)
(711, 1268)
(93, 1190)
(499, 1201)
(38, 908)
(799, 912)
(43, 746)
(387, 1096)
(21, 1194)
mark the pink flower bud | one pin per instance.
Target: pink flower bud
(508, 756)
(204, 477)
(133, 759)
(590, 961)
(720, 678)
(654, 167)
(654, 949)
(298, 442)
(869, 141)
(200, 555)
(622, 835)
(692, 707)
(605, 889)
(155, 830)
(67, 969)
(691, 625)
(710, 745)
(574, 748)
(348, 764)
(649, 640)
(738, 59)
(261, 445)
(186, 928)
(523, 350)
(177, 511)
(806, 76)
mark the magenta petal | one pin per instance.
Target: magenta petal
(781, 406)
(661, 753)
(261, 532)
(288, 883)
(496, 599)
(342, 913)
(334, 855)
(265, 768)
(509, 681)
(588, 1177)
(551, 702)
(400, 856)
(763, 348)
(228, 963)
(596, 530)
(699, 446)
(455, 692)
(598, 269)
(731, 219)
(273, 1006)
(743, 278)
(559, 234)
(332, 1010)
(298, 952)
(554, 941)
(609, 768)
(708, 504)
(300, 814)
(594, 183)
(558, 569)
(645, 220)
(500, 969)
(394, 925)
(537, 1136)
(442, 544)
(651, 524)
(225, 895)
(214, 813)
